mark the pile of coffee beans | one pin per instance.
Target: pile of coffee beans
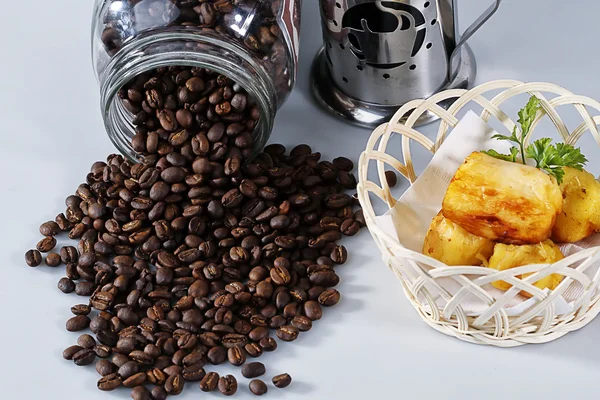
(253, 24)
(200, 254)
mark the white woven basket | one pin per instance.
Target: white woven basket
(493, 327)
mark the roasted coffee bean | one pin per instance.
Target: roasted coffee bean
(253, 370)
(128, 369)
(258, 387)
(102, 351)
(343, 163)
(174, 384)
(69, 352)
(209, 382)
(339, 255)
(253, 349)
(78, 323)
(53, 260)
(141, 393)
(350, 227)
(105, 367)
(217, 355)
(282, 380)
(391, 178)
(49, 228)
(33, 258)
(329, 297)
(236, 355)
(228, 385)
(135, 380)
(46, 244)
(66, 285)
(86, 341)
(312, 310)
(302, 323)
(287, 333)
(109, 382)
(194, 372)
(84, 357)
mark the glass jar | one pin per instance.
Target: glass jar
(252, 42)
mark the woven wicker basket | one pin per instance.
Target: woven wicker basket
(538, 324)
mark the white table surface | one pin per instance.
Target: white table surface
(373, 344)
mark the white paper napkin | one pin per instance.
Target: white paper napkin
(423, 200)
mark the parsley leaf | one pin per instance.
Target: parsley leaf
(548, 157)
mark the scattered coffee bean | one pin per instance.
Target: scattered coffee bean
(53, 260)
(49, 228)
(105, 367)
(228, 385)
(391, 178)
(258, 387)
(46, 244)
(109, 382)
(84, 357)
(78, 323)
(69, 352)
(329, 297)
(33, 258)
(141, 393)
(86, 341)
(282, 380)
(209, 382)
(253, 370)
(287, 333)
(66, 285)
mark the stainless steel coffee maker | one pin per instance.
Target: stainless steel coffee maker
(378, 55)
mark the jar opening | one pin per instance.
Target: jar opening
(184, 49)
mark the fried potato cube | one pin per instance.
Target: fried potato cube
(511, 256)
(580, 216)
(449, 243)
(502, 201)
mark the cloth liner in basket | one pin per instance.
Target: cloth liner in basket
(459, 301)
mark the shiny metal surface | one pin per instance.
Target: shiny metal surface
(369, 115)
(378, 54)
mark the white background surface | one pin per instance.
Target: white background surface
(373, 344)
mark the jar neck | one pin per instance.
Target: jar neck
(182, 48)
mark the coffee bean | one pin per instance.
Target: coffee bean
(343, 163)
(350, 227)
(253, 370)
(33, 258)
(236, 355)
(217, 355)
(209, 382)
(312, 310)
(129, 368)
(329, 297)
(69, 352)
(302, 323)
(77, 323)
(253, 350)
(391, 178)
(109, 382)
(84, 357)
(86, 341)
(102, 351)
(135, 380)
(339, 255)
(258, 387)
(159, 393)
(105, 367)
(268, 344)
(49, 228)
(287, 333)
(53, 260)
(228, 385)
(282, 380)
(141, 393)
(66, 285)
(46, 244)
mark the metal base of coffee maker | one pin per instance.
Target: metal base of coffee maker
(370, 115)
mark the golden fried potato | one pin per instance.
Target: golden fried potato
(580, 216)
(503, 201)
(449, 243)
(511, 256)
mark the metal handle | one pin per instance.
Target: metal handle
(483, 18)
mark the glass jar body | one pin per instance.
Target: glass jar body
(252, 42)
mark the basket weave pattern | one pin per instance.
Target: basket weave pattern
(539, 323)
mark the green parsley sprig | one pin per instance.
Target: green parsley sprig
(547, 156)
